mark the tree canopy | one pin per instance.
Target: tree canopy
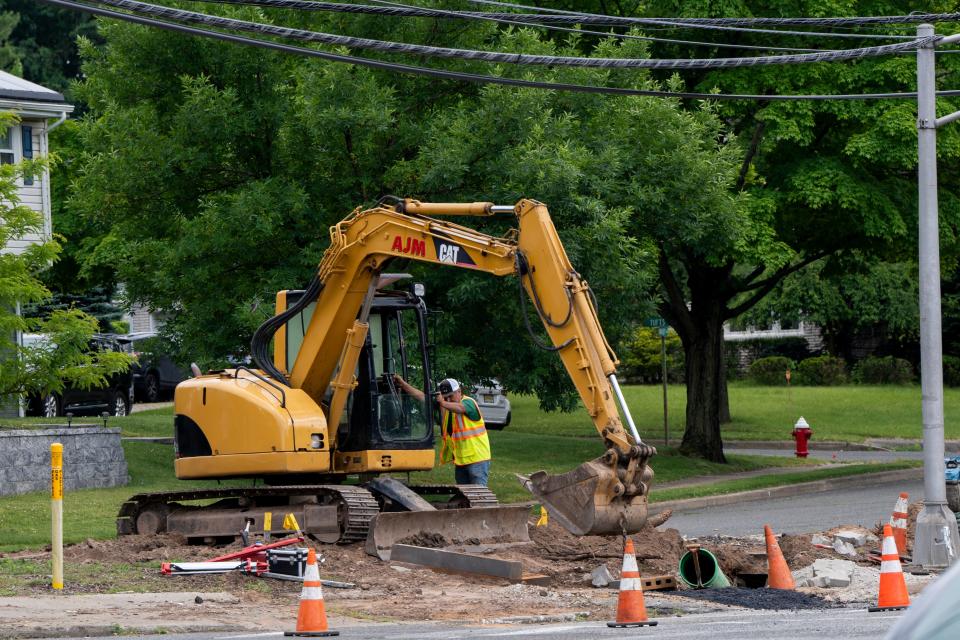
(214, 170)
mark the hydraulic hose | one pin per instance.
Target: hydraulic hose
(260, 343)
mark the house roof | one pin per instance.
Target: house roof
(14, 88)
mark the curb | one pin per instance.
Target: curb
(786, 491)
(556, 617)
(96, 630)
(823, 445)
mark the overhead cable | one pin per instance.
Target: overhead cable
(692, 25)
(542, 21)
(574, 17)
(192, 17)
(605, 34)
(461, 76)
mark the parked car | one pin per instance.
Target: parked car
(115, 398)
(155, 374)
(494, 404)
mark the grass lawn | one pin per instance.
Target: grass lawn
(848, 413)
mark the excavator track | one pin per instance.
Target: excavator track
(462, 496)
(352, 509)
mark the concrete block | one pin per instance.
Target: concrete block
(844, 548)
(819, 539)
(833, 573)
(855, 538)
(601, 576)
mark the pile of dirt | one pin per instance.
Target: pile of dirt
(569, 559)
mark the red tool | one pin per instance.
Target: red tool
(257, 549)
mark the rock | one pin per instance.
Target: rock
(844, 548)
(400, 569)
(819, 539)
(833, 573)
(855, 538)
(601, 576)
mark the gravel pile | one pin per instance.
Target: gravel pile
(771, 599)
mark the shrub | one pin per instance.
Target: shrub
(640, 355)
(951, 371)
(771, 371)
(822, 371)
(888, 370)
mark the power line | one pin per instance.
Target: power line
(542, 21)
(605, 34)
(694, 25)
(182, 15)
(573, 17)
(461, 76)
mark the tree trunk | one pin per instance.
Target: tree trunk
(703, 349)
(724, 396)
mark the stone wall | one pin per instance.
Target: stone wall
(92, 457)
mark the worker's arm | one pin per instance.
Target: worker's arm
(407, 387)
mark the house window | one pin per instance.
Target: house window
(26, 136)
(6, 146)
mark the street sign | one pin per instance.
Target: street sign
(663, 331)
(655, 322)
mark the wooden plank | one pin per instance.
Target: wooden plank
(457, 562)
(537, 579)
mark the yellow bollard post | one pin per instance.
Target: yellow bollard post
(56, 510)
(267, 525)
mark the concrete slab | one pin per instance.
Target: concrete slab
(457, 562)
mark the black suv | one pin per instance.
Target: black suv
(155, 375)
(116, 397)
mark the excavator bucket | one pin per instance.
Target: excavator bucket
(584, 501)
(487, 526)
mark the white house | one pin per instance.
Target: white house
(41, 110)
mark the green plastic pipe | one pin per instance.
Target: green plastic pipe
(700, 570)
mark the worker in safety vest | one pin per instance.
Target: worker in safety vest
(464, 434)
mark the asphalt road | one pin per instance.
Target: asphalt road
(864, 506)
(728, 625)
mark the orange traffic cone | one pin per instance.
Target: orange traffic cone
(312, 618)
(898, 522)
(778, 573)
(893, 588)
(631, 612)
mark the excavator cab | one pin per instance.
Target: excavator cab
(377, 415)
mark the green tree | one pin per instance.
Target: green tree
(62, 356)
(817, 179)
(214, 170)
(40, 42)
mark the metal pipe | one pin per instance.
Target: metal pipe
(60, 121)
(502, 208)
(947, 119)
(623, 406)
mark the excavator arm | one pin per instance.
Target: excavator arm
(606, 495)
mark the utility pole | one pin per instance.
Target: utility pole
(937, 541)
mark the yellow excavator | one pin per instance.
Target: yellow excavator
(324, 427)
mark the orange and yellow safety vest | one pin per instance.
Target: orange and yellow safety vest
(464, 439)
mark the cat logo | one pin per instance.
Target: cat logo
(451, 253)
(413, 246)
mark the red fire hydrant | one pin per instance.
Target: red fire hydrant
(801, 433)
